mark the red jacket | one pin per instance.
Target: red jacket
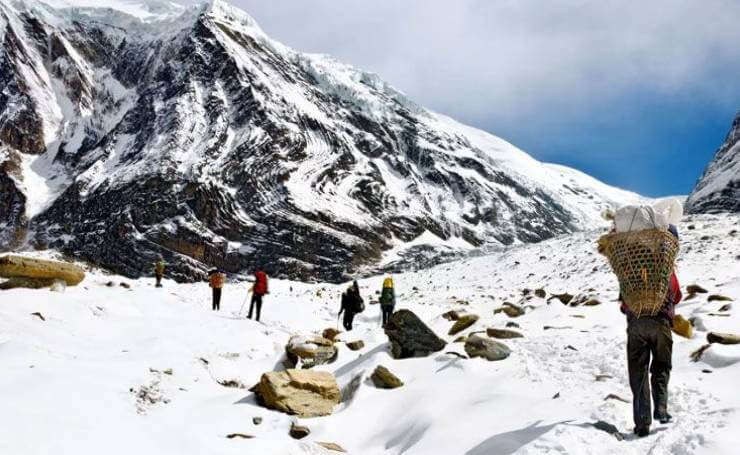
(671, 300)
(260, 284)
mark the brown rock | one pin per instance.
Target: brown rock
(723, 338)
(463, 323)
(460, 339)
(384, 379)
(564, 298)
(331, 446)
(239, 435)
(298, 431)
(309, 352)
(503, 334)
(511, 310)
(541, 293)
(22, 267)
(331, 333)
(356, 345)
(305, 393)
(478, 346)
(592, 302)
(451, 315)
(695, 289)
(725, 308)
(718, 298)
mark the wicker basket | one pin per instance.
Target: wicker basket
(643, 262)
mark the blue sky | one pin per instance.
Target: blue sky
(638, 94)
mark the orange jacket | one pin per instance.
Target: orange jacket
(216, 280)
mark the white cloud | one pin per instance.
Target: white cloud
(509, 59)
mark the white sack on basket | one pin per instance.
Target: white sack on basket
(637, 218)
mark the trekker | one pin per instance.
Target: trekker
(216, 281)
(650, 336)
(159, 271)
(387, 299)
(259, 289)
(352, 304)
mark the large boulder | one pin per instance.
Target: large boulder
(21, 269)
(410, 337)
(309, 352)
(723, 338)
(478, 346)
(304, 393)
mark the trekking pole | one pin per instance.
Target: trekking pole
(244, 303)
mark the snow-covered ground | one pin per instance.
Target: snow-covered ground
(93, 377)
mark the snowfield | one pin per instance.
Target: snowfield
(120, 371)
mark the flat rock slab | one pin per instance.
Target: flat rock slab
(503, 334)
(40, 269)
(305, 393)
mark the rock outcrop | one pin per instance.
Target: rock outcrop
(384, 379)
(309, 352)
(37, 273)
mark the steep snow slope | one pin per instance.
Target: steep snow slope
(147, 128)
(70, 376)
(718, 189)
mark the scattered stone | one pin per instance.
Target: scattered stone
(723, 338)
(231, 383)
(456, 354)
(718, 298)
(578, 316)
(384, 379)
(410, 337)
(309, 352)
(305, 393)
(706, 371)
(298, 431)
(451, 315)
(125, 285)
(696, 355)
(110, 284)
(463, 302)
(725, 308)
(695, 289)
(478, 346)
(330, 333)
(503, 334)
(39, 315)
(204, 361)
(556, 396)
(719, 315)
(526, 292)
(463, 323)
(551, 327)
(612, 396)
(541, 293)
(257, 420)
(356, 345)
(240, 436)
(331, 446)
(572, 348)
(512, 325)
(592, 302)
(168, 372)
(564, 298)
(511, 310)
(602, 377)
(461, 339)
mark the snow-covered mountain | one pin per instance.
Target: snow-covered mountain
(141, 128)
(718, 189)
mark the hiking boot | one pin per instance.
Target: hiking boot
(642, 431)
(663, 418)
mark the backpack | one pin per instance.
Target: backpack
(386, 297)
(354, 302)
(388, 283)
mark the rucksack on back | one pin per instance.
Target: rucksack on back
(388, 283)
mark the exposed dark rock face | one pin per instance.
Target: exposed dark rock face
(410, 337)
(718, 189)
(201, 140)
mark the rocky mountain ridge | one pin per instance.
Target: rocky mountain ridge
(191, 134)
